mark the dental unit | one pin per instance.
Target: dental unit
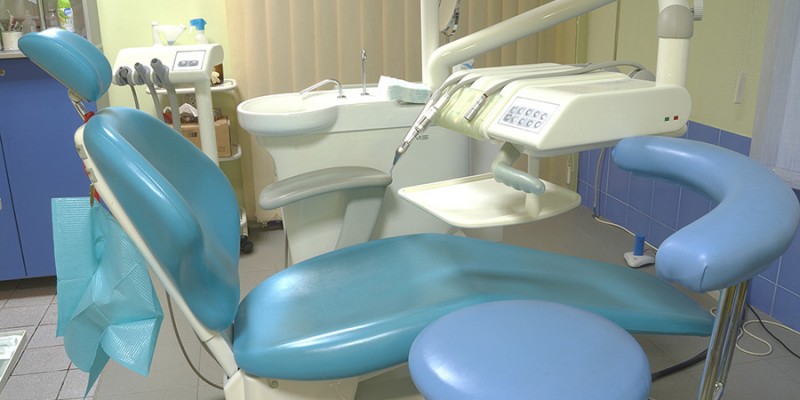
(330, 323)
(170, 67)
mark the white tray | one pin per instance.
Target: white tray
(479, 201)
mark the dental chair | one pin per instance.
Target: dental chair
(318, 328)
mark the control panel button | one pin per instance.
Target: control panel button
(527, 114)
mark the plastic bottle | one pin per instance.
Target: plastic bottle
(65, 17)
(52, 19)
(199, 26)
(29, 25)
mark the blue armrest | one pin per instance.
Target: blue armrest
(753, 224)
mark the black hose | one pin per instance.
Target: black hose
(700, 357)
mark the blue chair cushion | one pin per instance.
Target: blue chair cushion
(357, 309)
(71, 59)
(180, 203)
(527, 350)
(752, 225)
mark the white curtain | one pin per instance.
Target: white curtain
(776, 134)
(279, 46)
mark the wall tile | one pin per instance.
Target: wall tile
(737, 143)
(703, 133)
(640, 195)
(789, 276)
(658, 232)
(615, 210)
(665, 203)
(618, 183)
(692, 206)
(771, 273)
(786, 307)
(638, 222)
(761, 294)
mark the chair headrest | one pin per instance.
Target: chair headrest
(71, 59)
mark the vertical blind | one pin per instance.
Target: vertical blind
(280, 46)
(776, 132)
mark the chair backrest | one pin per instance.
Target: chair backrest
(752, 225)
(188, 217)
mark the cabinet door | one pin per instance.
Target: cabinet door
(38, 123)
(11, 266)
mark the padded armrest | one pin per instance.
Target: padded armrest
(753, 224)
(315, 183)
(71, 59)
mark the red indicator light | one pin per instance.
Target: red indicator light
(675, 118)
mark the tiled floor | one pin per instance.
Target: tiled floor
(43, 372)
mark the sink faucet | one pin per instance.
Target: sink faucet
(364, 72)
(323, 83)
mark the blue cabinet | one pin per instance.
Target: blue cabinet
(11, 265)
(37, 123)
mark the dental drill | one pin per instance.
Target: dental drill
(438, 100)
(142, 76)
(124, 77)
(161, 78)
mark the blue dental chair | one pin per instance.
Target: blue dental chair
(317, 329)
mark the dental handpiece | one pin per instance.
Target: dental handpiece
(161, 74)
(143, 74)
(439, 98)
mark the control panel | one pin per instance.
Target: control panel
(527, 114)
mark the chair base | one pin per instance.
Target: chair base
(242, 386)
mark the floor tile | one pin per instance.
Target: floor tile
(13, 317)
(51, 315)
(45, 359)
(45, 336)
(31, 296)
(75, 385)
(167, 372)
(43, 386)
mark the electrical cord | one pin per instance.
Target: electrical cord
(764, 326)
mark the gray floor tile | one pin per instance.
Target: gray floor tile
(172, 394)
(13, 317)
(75, 385)
(51, 315)
(168, 371)
(45, 336)
(43, 386)
(31, 296)
(45, 359)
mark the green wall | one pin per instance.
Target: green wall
(726, 52)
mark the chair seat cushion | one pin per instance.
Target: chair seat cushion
(524, 349)
(358, 309)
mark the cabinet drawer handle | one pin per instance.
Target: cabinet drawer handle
(2, 72)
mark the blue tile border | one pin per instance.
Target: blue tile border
(659, 209)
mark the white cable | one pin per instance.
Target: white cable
(743, 330)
